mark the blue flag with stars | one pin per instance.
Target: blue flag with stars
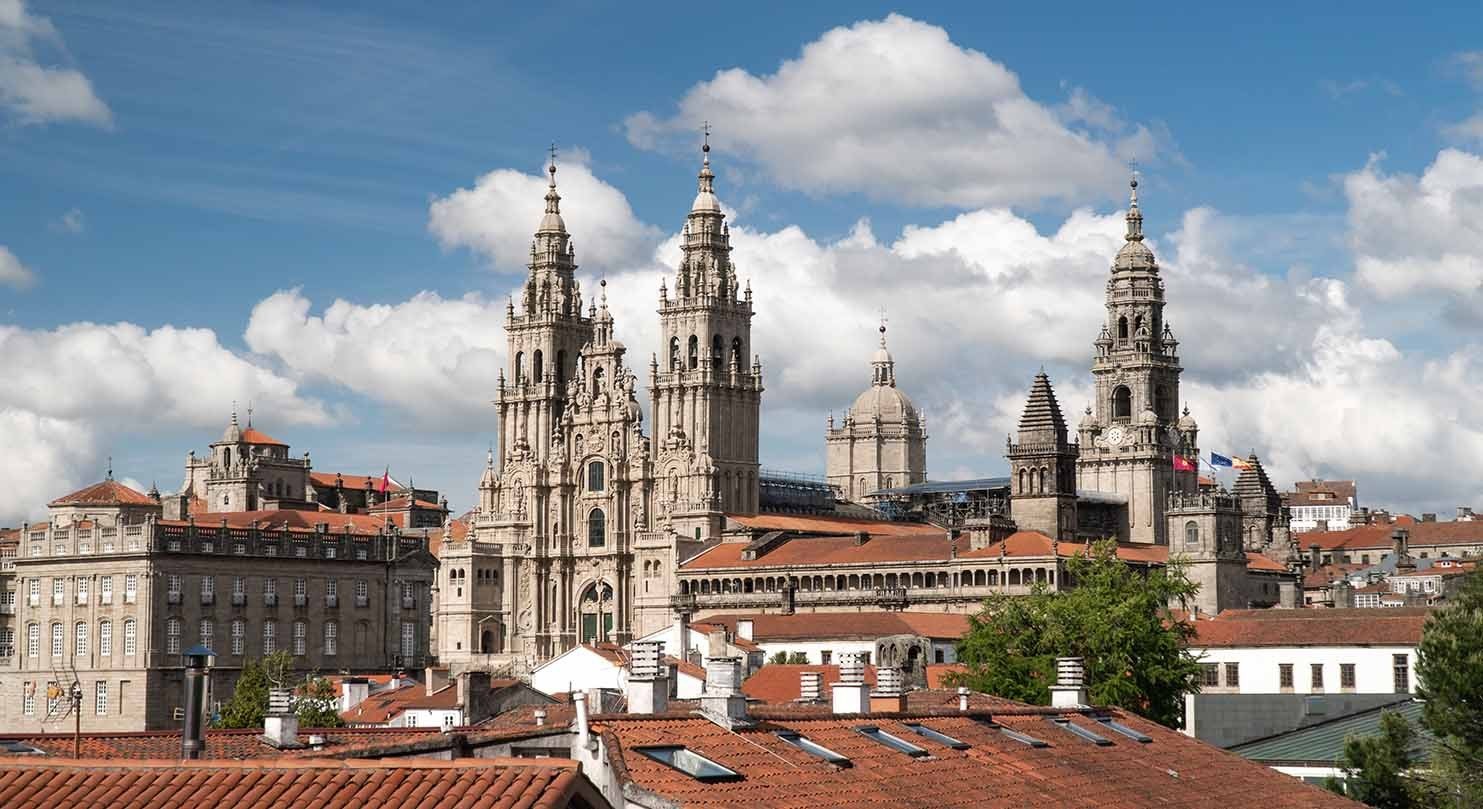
(1216, 459)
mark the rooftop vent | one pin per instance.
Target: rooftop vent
(1070, 688)
(851, 695)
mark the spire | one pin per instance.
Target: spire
(1042, 413)
(705, 199)
(552, 222)
(883, 366)
(1134, 254)
(1135, 216)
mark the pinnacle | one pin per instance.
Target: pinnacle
(1042, 411)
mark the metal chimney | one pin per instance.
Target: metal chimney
(193, 734)
(1070, 688)
(648, 681)
(811, 686)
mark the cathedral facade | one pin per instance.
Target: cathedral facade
(582, 516)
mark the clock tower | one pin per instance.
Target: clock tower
(1131, 435)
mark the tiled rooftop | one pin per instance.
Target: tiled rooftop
(329, 784)
(767, 627)
(1311, 627)
(220, 744)
(780, 683)
(105, 493)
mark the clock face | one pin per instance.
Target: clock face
(1115, 436)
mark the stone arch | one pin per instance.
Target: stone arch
(597, 528)
(1014, 576)
(717, 350)
(674, 353)
(1122, 328)
(737, 357)
(519, 367)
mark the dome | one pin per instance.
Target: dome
(1088, 420)
(1148, 417)
(233, 433)
(1187, 422)
(885, 402)
(881, 355)
(1135, 255)
(706, 202)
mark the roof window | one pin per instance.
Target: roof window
(813, 748)
(1080, 732)
(1023, 738)
(937, 736)
(690, 763)
(1119, 727)
(897, 743)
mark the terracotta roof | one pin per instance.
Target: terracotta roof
(777, 683)
(1255, 561)
(398, 503)
(408, 783)
(106, 493)
(558, 715)
(221, 745)
(828, 550)
(1419, 535)
(1343, 491)
(818, 524)
(382, 706)
(290, 519)
(1437, 571)
(1310, 627)
(847, 625)
(251, 436)
(1326, 575)
(705, 627)
(1035, 544)
(995, 771)
(326, 480)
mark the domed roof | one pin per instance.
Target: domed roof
(1088, 420)
(233, 432)
(1187, 422)
(552, 221)
(1148, 417)
(885, 402)
(705, 198)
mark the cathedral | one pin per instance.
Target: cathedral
(882, 443)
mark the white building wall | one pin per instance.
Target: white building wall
(428, 718)
(1260, 672)
(577, 670)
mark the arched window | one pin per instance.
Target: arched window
(206, 631)
(131, 636)
(737, 357)
(674, 353)
(81, 633)
(1138, 325)
(1191, 533)
(105, 637)
(33, 640)
(1122, 328)
(1162, 403)
(519, 367)
(331, 638)
(226, 456)
(1122, 403)
(301, 635)
(716, 351)
(538, 368)
(58, 640)
(239, 636)
(486, 642)
(597, 376)
(172, 636)
(597, 526)
(1041, 479)
(1022, 481)
(594, 476)
(694, 352)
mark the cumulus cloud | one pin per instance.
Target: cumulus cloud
(35, 93)
(12, 272)
(498, 215)
(434, 358)
(40, 456)
(1417, 234)
(896, 110)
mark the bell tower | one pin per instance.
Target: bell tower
(1129, 442)
(1042, 467)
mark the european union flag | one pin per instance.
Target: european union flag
(1216, 459)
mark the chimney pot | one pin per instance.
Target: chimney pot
(962, 697)
(1070, 689)
(540, 717)
(280, 725)
(850, 695)
(811, 686)
(648, 681)
(722, 702)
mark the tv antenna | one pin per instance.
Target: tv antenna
(63, 699)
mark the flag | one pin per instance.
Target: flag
(1240, 464)
(385, 480)
(1216, 459)
(1183, 464)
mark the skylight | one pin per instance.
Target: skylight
(813, 748)
(894, 742)
(1023, 738)
(690, 763)
(1081, 732)
(1115, 725)
(936, 736)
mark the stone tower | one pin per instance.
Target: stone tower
(1042, 467)
(706, 394)
(883, 440)
(1129, 442)
(1264, 521)
(1205, 529)
(544, 337)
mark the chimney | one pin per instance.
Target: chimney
(648, 681)
(684, 627)
(850, 694)
(434, 679)
(281, 726)
(353, 691)
(193, 735)
(539, 715)
(744, 628)
(717, 645)
(888, 696)
(1428, 516)
(1399, 548)
(811, 687)
(1070, 688)
(962, 697)
(722, 702)
(473, 696)
(584, 731)
(1314, 556)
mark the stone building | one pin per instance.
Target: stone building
(110, 595)
(882, 441)
(1042, 466)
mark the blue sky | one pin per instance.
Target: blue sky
(225, 155)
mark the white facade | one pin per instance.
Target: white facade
(427, 718)
(582, 669)
(1307, 518)
(1259, 669)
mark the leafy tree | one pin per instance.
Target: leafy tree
(1376, 767)
(249, 702)
(1115, 617)
(789, 658)
(316, 704)
(1449, 669)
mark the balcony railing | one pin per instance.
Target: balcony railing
(208, 598)
(172, 597)
(270, 599)
(239, 599)
(362, 601)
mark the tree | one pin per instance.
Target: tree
(789, 658)
(1114, 617)
(317, 706)
(249, 702)
(1375, 767)
(1449, 668)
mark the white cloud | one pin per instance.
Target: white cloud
(40, 457)
(431, 357)
(1468, 130)
(12, 272)
(1414, 234)
(498, 216)
(36, 93)
(895, 109)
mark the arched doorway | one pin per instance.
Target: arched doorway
(596, 613)
(486, 642)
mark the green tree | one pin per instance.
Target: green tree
(1449, 670)
(1114, 616)
(1375, 767)
(789, 658)
(249, 701)
(316, 705)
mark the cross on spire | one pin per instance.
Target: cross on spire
(705, 131)
(110, 467)
(249, 414)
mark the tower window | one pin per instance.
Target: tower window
(1122, 403)
(597, 526)
(561, 367)
(694, 352)
(519, 367)
(597, 379)
(716, 351)
(1191, 533)
(736, 352)
(594, 476)
(674, 353)
(1163, 404)
(537, 367)
(1138, 325)
(1122, 328)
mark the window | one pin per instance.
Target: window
(813, 748)
(1402, 669)
(100, 698)
(1284, 675)
(131, 588)
(1209, 675)
(7, 642)
(694, 352)
(1346, 675)
(594, 476)
(331, 589)
(1317, 682)
(1233, 675)
(687, 761)
(301, 634)
(937, 736)
(1081, 732)
(82, 590)
(34, 590)
(1114, 725)
(301, 591)
(1191, 533)
(172, 636)
(58, 640)
(362, 593)
(207, 632)
(58, 592)
(28, 698)
(894, 742)
(596, 529)
(53, 697)
(270, 637)
(270, 587)
(208, 589)
(33, 640)
(105, 590)
(131, 634)
(409, 639)
(239, 585)
(826, 656)
(105, 638)
(331, 638)
(172, 587)
(1122, 403)
(239, 636)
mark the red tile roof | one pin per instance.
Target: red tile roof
(251, 436)
(106, 493)
(1372, 537)
(290, 519)
(847, 625)
(805, 523)
(221, 745)
(1310, 627)
(1255, 561)
(326, 480)
(996, 771)
(382, 706)
(407, 783)
(827, 550)
(1035, 544)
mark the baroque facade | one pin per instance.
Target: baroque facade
(582, 517)
(882, 441)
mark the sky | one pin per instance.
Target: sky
(320, 209)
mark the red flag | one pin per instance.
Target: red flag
(385, 480)
(1183, 464)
